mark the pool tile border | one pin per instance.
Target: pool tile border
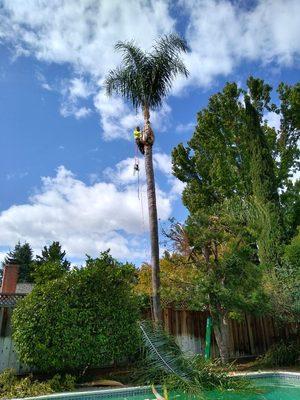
(93, 394)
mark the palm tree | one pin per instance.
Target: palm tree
(144, 79)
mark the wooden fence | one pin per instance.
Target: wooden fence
(8, 354)
(252, 336)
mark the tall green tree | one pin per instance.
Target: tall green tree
(54, 253)
(51, 264)
(234, 153)
(145, 79)
(22, 255)
(239, 193)
(264, 183)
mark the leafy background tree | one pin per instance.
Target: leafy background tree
(86, 318)
(178, 283)
(228, 282)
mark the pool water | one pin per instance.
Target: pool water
(271, 388)
(265, 388)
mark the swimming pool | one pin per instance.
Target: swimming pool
(268, 386)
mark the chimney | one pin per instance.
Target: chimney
(10, 278)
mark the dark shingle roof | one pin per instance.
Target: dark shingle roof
(24, 288)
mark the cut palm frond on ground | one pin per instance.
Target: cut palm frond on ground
(165, 364)
(163, 352)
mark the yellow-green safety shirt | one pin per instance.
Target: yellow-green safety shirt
(137, 134)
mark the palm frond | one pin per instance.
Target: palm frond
(170, 46)
(133, 56)
(163, 352)
(167, 365)
(124, 82)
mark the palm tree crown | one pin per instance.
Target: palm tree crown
(145, 78)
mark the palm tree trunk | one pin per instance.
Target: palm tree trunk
(153, 226)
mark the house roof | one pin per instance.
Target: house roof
(24, 288)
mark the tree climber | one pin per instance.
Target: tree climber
(138, 139)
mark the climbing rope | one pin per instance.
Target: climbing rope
(136, 169)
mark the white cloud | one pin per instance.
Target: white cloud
(42, 79)
(221, 34)
(177, 187)
(3, 254)
(84, 218)
(112, 110)
(184, 128)
(73, 92)
(79, 88)
(273, 119)
(118, 120)
(82, 112)
(84, 32)
(163, 162)
(123, 173)
(70, 109)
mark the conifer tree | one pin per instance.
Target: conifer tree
(53, 253)
(23, 256)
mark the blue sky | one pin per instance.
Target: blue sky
(66, 169)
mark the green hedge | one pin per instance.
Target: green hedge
(87, 318)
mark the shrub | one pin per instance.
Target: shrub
(47, 271)
(11, 386)
(281, 354)
(87, 318)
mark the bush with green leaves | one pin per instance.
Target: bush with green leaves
(86, 318)
(11, 386)
(281, 354)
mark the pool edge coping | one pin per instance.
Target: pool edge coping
(268, 372)
(141, 388)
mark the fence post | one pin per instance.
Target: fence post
(208, 338)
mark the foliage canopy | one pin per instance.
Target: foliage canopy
(85, 318)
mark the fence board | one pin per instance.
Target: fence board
(252, 336)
